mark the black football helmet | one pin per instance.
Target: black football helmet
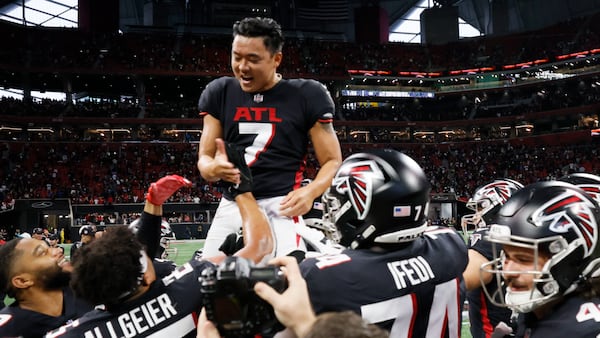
(377, 197)
(486, 201)
(558, 221)
(590, 183)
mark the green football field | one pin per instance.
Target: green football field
(186, 248)
(181, 252)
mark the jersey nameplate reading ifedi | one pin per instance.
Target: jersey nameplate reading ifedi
(414, 270)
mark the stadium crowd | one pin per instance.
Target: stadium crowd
(89, 169)
(474, 104)
(92, 173)
(105, 170)
(208, 54)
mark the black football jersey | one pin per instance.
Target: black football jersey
(163, 267)
(74, 249)
(575, 317)
(413, 292)
(18, 322)
(272, 127)
(483, 315)
(169, 308)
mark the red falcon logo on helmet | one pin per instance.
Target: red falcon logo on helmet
(357, 183)
(570, 211)
(502, 190)
(591, 189)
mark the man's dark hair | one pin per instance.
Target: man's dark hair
(344, 324)
(266, 28)
(109, 268)
(8, 254)
(590, 288)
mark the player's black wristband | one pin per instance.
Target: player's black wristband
(236, 156)
(232, 243)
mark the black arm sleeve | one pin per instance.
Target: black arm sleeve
(149, 233)
(73, 250)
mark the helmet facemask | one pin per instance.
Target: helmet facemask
(335, 211)
(475, 220)
(166, 234)
(486, 201)
(551, 256)
(327, 223)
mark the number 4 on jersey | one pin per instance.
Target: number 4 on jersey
(588, 311)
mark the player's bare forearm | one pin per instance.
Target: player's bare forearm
(153, 209)
(206, 168)
(472, 275)
(258, 238)
(329, 155)
(323, 179)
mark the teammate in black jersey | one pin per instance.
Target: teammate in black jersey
(293, 309)
(397, 272)
(271, 120)
(115, 271)
(550, 262)
(37, 276)
(32, 273)
(484, 316)
(87, 235)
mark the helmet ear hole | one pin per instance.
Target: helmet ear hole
(485, 204)
(567, 269)
(349, 232)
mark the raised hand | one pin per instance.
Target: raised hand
(161, 190)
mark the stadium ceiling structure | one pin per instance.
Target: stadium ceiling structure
(53, 13)
(518, 15)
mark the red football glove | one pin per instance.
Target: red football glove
(162, 189)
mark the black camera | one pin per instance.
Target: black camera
(231, 303)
